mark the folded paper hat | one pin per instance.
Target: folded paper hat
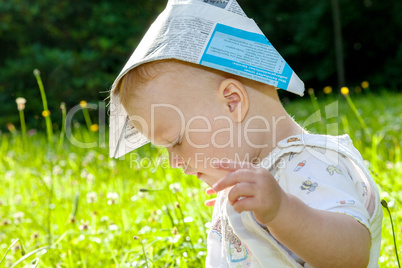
(213, 33)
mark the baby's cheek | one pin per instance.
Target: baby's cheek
(198, 140)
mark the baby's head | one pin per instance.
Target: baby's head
(199, 114)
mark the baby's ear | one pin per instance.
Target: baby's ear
(232, 93)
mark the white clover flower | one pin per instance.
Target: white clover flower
(18, 199)
(57, 170)
(175, 187)
(19, 215)
(112, 163)
(84, 173)
(113, 227)
(104, 219)
(10, 174)
(84, 225)
(92, 197)
(90, 178)
(112, 198)
(47, 180)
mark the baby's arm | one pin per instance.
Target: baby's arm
(320, 238)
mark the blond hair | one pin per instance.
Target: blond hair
(137, 78)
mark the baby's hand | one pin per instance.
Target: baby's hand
(210, 202)
(253, 189)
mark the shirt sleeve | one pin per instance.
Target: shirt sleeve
(322, 183)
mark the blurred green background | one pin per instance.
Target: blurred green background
(81, 46)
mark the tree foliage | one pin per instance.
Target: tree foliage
(80, 46)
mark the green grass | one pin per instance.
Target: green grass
(70, 214)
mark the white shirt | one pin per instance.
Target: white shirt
(326, 173)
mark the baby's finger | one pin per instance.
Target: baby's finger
(210, 203)
(241, 175)
(245, 204)
(232, 166)
(210, 191)
(240, 190)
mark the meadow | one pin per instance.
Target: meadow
(65, 206)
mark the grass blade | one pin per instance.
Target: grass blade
(12, 244)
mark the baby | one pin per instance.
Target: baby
(285, 198)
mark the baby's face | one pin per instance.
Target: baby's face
(187, 118)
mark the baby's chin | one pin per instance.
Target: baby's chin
(209, 180)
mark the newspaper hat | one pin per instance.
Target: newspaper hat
(213, 33)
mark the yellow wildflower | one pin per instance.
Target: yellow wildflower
(11, 127)
(345, 90)
(365, 84)
(358, 89)
(327, 90)
(94, 127)
(46, 113)
(83, 104)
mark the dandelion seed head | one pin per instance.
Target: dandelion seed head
(21, 103)
(36, 72)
